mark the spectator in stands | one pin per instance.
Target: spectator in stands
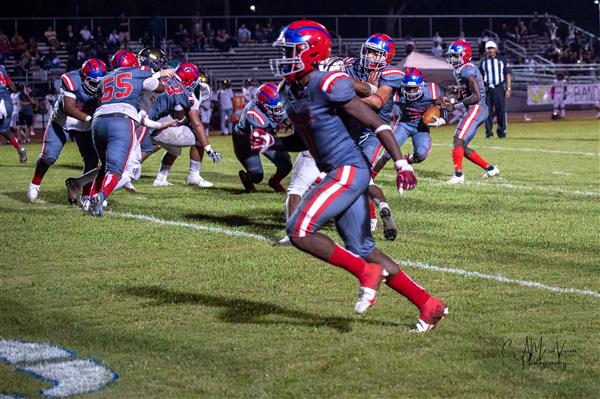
(113, 40)
(51, 38)
(209, 35)
(437, 50)
(571, 33)
(4, 47)
(70, 37)
(18, 44)
(535, 25)
(521, 32)
(124, 36)
(85, 34)
(155, 30)
(258, 34)
(483, 39)
(268, 33)
(244, 34)
(248, 90)
(437, 39)
(27, 103)
(222, 40)
(552, 32)
(99, 36)
(409, 44)
(462, 36)
(225, 100)
(32, 48)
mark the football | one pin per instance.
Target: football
(431, 114)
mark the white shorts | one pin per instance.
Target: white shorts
(304, 173)
(174, 138)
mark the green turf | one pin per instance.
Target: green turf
(183, 313)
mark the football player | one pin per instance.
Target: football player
(117, 118)
(265, 112)
(376, 81)
(6, 110)
(71, 117)
(190, 132)
(466, 74)
(315, 102)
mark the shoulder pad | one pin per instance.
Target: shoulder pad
(256, 118)
(392, 73)
(329, 80)
(67, 80)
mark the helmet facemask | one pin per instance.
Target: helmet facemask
(412, 91)
(91, 84)
(372, 57)
(454, 58)
(291, 58)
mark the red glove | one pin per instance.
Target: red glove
(406, 179)
(260, 140)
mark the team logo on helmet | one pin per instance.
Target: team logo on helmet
(91, 72)
(123, 59)
(267, 98)
(303, 45)
(459, 53)
(377, 52)
(412, 84)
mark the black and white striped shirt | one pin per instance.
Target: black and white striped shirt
(494, 70)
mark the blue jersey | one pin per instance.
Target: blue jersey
(71, 86)
(4, 83)
(252, 118)
(176, 97)
(124, 86)
(390, 76)
(411, 112)
(462, 73)
(313, 111)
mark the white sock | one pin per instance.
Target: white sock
(195, 167)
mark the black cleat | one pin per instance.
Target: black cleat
(389, 226)
(247, 181)
(73, 190)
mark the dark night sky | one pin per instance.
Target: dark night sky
(584, 12)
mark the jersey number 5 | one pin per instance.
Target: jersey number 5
(118, 82)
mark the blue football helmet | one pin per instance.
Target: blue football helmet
(412, 84)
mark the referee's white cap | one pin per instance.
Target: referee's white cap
(491, 44)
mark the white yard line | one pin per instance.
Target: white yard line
(521, 149)
(418, 265)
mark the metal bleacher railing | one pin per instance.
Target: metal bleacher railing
(251, 60)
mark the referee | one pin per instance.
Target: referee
(496, 73)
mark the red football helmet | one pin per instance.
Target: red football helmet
(189, 74)
(123, 59)
(303, 44)
(459, 53)
(377, 52)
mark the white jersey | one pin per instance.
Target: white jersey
(560, 89)
(15, 100)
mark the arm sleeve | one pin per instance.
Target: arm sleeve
(151, 83)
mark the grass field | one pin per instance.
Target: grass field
(179, 311)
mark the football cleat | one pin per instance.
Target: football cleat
(276, 185)
(389, 226)
(86, 204)
(369, 283)
(161, 183)
(32, 193)
(129, 187)
(247, 181)
(285, 241)
(198, 181)
(98, 202)
(432, 312)
(491, 173)
(22, 155)
(73, 190)
(456, 180)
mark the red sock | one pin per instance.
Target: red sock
(347, 260)
(85, 190)
(372, 212)
(15, 143)
(37, 179)
(40, 171)
(457, 157)
(109, 183)
(477, 160)
(404, 285)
